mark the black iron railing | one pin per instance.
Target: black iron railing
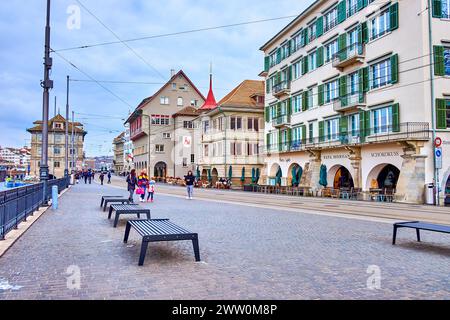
(283, 85)
(17, 204)
(353, 50)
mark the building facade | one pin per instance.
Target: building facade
(152, 125)
(362, 87)
(128, 159)
(230, 135)
(56, 146)
(118, 149)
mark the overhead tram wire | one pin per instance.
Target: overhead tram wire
(178, 33)
(120, 40)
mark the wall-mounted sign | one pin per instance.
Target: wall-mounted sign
(187, 141)
(437, 142)
(438, 154)
(384, 154)
(335, 156)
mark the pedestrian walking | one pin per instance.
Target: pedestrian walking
(85, 176)
(102, 177)
(131, 184)
(90, 174)
(151, 190)
(189, 179)
(109, 177)
(143, 181)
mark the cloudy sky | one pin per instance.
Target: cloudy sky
(234, 53)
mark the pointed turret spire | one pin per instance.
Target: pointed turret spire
(210, 102)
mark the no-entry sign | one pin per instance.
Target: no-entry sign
(437, 142)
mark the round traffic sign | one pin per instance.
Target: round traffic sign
(438, 142)
(438, 153)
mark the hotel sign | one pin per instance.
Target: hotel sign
(384, 154)
(335, 156)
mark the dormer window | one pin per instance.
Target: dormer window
(57, 125)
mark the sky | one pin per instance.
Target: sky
(234, 53)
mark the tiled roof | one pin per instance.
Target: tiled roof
(57, 118)
(241, 96)
(186, 111)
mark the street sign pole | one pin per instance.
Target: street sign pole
(438, 157)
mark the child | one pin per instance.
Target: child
(151, 190)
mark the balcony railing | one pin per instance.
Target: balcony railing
(408, 131)
(280, 121)
(349, 102)
(282, 88)
(330, 24)
(354, 53)
(352, 10)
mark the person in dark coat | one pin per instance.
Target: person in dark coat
(189, 179)
(109, 177)
(131, 184)
(102, 177)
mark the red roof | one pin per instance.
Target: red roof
(210, 102)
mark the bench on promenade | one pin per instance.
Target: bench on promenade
(160, 230)
(127, 209)
(121, 200)
(106, 197)
(418, 225)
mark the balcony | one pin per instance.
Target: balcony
(281, 89)
(281, 121)
(350, 102)
(349, 56)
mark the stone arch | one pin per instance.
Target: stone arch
(204, 175)
(339, 176)
(289, 173)
(273, 170)
(378, 173)
(214, 175)
(160, 170)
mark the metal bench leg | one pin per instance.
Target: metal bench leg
(110, 212)
(116, 220)
(148, 215)
(138, 215)
(144, 247)
(101, 203)
(418, 234)
(104, 207)
(394, 237)
(127, 232)
(196, 249)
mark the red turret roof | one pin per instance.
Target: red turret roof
(210, 102)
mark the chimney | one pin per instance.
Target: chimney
(172, 72)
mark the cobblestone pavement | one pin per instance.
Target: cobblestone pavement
(247, 253)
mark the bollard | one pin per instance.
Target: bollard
(55, 197)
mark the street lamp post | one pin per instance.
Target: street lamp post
(46, 84)
(66, 142)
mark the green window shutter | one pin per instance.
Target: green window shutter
(289, 73)
(439, 65)
(342, 12)
(278, 113)
(289, 136)
(343, 127)
(305, 35)
(441, 114)
(321, 131)
(394, 68)
(319, 26)
(367, 125)
(363, 79)
(393, 15)
(320, 57)
(280, 145)
(362, 126)
(363, 34)
(304, 65)
(303, 129)
(305, 101)
(289, 107)
(437, 8)
(278, 55)
(267, 113)
(395, 118)
(278, 78)
(266, 63)
(342, 46)
(343, 86)
(362, 4)
(267, 85)
(321, 95)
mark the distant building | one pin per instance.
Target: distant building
(56, 145)
(128, 160)
(118, 150)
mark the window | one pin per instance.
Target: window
(194, 102)
(380, 74)
(166, 135)
(330, 19)
(184, 162)
(164, 100)
(331, 49)
(188, 125)
(56, 151)
(311, 132)
(235, 123)
(58, 138)
(354, 124)
(352, 7)
(206, 150)
(236, 148)
(380, 25)
(205, 126)
(382, 120)
(174, 86)
(331, 91)
(296, 42)
(252, 149)
(332, 129)
(180, 102)
(352, 40)
(159, 148)
(273, 59)
(162, 120)
(353, 84)
(192, 158)
(72, 151)
(297, 136)
(56, 164)
(312, 32)
(285, 51)
(445, 9)
(253, 124)
(297, 103)
(312, 61)
(447, 60)
(310, 99)
(273, 111)
(297, 70)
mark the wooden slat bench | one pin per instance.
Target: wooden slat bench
(418, 225)
(121, 200)
(160, 230)
(127, 209)
(106, 197)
